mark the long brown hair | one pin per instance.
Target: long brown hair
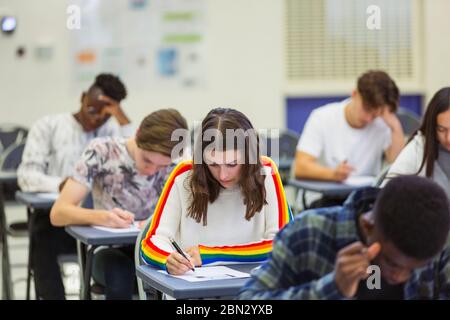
(438, 104)
(204, 187)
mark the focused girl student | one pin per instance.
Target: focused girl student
(225, 206)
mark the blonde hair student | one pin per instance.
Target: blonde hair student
(220, 207)
(126, 177)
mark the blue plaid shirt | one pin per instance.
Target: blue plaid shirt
(301, 265)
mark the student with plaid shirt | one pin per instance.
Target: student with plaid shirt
(324, 253)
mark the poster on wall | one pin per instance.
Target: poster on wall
(149, 43)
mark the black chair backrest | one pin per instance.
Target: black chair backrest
(409, 120)
(11, 159)
(10, 135)
(287, 144)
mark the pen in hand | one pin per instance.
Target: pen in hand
(119, 206)
(178, 249)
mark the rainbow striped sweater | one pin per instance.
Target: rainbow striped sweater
(227, 237)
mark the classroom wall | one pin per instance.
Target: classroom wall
(244, 65)
(437, 46)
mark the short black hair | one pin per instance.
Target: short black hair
(413, 214)
(111, 86)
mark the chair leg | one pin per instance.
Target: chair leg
(29, 275)
(30, 251)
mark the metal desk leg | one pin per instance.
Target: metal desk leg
(7, 287)
(30, 255)
(7, 292)
(88, 273)
(81, 253)
(305, 207)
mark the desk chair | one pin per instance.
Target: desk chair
(287, 144)
(11, 135)
(9, 161)
(409, 120)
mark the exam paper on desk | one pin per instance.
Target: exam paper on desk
(132, 228)
(359, 181)
(210, 273)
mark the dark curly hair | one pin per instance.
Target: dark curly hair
(413, 214)
(111, 86)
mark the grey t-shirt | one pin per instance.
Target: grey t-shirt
(444, 160)
(110, 173)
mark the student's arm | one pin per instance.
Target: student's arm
(114, 109)
(31, 174)
(307, 167)
(277, 215)
(279, 279)
(397, 136)
(66, 210)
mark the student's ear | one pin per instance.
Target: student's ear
(354, 93)
(83, 96)
(367, 225)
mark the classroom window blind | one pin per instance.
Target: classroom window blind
(330, 39)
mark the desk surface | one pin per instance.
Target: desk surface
(33, 199)
(325, 187)
(182, 289)
(92, 236)
(8, 176)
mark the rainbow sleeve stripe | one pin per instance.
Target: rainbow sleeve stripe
(252, 252)
(257, 251)
(151, 254)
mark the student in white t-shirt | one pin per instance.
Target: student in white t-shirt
(350, 137)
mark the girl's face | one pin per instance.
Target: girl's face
(148, 162)
(225, 167)
(443, 129)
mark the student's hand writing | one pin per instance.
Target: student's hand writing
(118, 218)
(342, 171)
(141, 224)
(194, 253)
(177, 265)
(351, 266)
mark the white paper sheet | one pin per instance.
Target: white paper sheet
(210, 273)
(359, 181)
(133, 228)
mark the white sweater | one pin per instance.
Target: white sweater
(409, 161)
(226, 224)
